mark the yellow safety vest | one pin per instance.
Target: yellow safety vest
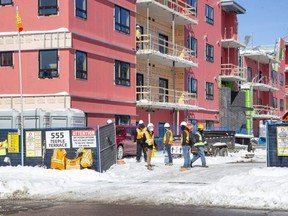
(149, 138)
(140, 133)
(73, 164)
(58, 159)
(86, 159)
(170, 141)
(187, 137)
(200, 142)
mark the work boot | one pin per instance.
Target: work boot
(205, 166)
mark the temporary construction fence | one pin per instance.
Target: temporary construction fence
(39, 145)
(277, 144)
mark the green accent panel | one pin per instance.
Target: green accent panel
(248, 113)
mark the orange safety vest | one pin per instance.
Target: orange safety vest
(57, 159)
(73, 164)
(170, 141)
(87, 158)
(149, 138)
(140, 133)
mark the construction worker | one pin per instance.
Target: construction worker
(139, 139)
(150, 144)
(167, 142)
(185, 142)
(138, 36)
(199, 144)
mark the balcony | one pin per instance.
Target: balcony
(263, 83)
(162, 10)
(164, 52)
(156, 97)
(265, 112)
(231, 72)
(260, 56)
(230, 39)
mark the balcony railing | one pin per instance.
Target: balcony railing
(262, 111)
(166, 50)
(231, 72)
(169, 98)
(230, 33)
(162, 9)
(230, 39)
(263, 83)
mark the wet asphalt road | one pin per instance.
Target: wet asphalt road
(45, 208)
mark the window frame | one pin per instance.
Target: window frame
(48, 8)
(193, 3)
(119, 80)
(210, 125)
(83, 73)
(281, 79)
(118, 26)
(3, 58)
(121, 118)
(249, 74)
(209, 91)
(192, 85)
(49, 73)
(209, 52)
(80, 11)
(274, 102)
(193, 45)
(274, 76)
(209, 14)
(281, 105)
(4, 4)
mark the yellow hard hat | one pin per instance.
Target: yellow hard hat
(201, 127)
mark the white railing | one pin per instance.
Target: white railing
(230, 33)
(265, 110)
(164, 95)
(232, 70)
(156, 44)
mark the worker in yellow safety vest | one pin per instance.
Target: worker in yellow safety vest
(139, 139)
(167, 142)
(150, 144)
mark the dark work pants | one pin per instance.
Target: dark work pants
(140, 149)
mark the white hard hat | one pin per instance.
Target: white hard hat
(141, 122)
(137, 26)
(183, 123)
(150, 125)
(109, 121)
(166, 125)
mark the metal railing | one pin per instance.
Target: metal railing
(164, 95)
(232, 70)
(162, 46)
(179, 6)
(263, 80)
(230, 33)
(265, 110)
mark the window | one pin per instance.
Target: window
(274, 76)
(6, 2)
(163, 44)
(249, 74)
(47, 7)
(281, 79)
(209, 12)
(122, 73)
(163, 90)
(209, 53)
(209, 91)
(139, 84)
(81, 65)
(209, 125)
(6, 59)
(122, 20)
(48, 64)
(192, 45)
(192, 85)
(274, 102)
(81, 8)
(122, 120)
(193, 3)
(281, 105)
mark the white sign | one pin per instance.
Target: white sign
(83, 138)
(57, 139)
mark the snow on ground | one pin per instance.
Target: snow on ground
(232, 181)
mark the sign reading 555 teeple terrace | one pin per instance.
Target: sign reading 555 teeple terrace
(57, 139)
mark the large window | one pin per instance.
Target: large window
(209, 53)
(249, 74)
(274, 76)
(209, 12)
(274, 102)
(281, 79)
(209, 91)
(81, 65)
(122, 20)
(163, 90)
(281, 105)
(47, 7)
(6, 59)
(48, 64)
(163, 43)
(192, 45)
(81, 9)
(192, 85)
(122, 120)
(122, 73)
(6, 2)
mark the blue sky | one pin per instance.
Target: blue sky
(265, 20)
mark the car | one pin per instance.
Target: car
(125, 141)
